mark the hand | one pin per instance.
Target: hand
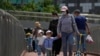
(79, 33)
(59, 35)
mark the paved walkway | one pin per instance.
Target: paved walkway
(35, 54)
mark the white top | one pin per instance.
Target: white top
(41, 40)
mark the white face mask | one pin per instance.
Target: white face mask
(63, 13)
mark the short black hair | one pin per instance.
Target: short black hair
(77, 11)
(55, 13)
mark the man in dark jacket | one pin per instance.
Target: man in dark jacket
(53, 27)
(83, 28)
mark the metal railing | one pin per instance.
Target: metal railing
(41, 16)
(12, 35)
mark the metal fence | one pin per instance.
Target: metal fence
(12, 35)
(95, 33)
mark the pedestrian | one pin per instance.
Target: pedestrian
(48, 42)
(37, 27)
(40, 39)
(29, 40)
(35, 31)
(83, 28)
(65, 29)
(53, 27)
(53, 24)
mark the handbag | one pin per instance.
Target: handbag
(89, 39)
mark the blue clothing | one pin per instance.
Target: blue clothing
(29, 40)
(81, 22)
(40, 49)
(83, 41)
(67, 41)
(48, 42)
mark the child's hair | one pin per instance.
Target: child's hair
(37, 23)
(54, 13)
(48, 31)
(28, 34)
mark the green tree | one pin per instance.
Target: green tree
(45, 6)
(28, 7)
(6, 5)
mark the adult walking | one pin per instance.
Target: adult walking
(53, 24)
(66, 27)
(53, 27)
(35, 32)
(83, 28)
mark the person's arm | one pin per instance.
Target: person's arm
(50, 25)
(44, 43)
(87, 28)
(59, 28)
(75, 26)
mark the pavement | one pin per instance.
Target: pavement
(25, 53)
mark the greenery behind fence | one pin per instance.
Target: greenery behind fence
(40, 6)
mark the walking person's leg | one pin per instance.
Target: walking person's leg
(39, 50)
(78, 39)
(33, 45)
(56, 47)
(47, 52)
(36, 45)
(70, 42)
(83, 39)
(43, 50)
(64, 43)
(50, 52)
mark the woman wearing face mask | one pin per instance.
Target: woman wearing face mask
(65, 29)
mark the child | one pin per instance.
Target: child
(48, 42)
(29, 40)
(40, 40)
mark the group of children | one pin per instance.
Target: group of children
(43, 43)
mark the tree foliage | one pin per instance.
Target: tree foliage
(41, 6)
(7, 5)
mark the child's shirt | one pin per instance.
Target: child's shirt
(41, 40)
(29, 40)
(48, 42)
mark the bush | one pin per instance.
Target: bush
(7, 6)
(41, 6)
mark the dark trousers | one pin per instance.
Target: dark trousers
(56, 46)
(33, 44)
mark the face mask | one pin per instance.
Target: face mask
(55, 18)
(63, 13)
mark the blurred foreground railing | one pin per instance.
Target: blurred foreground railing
(11, 35)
